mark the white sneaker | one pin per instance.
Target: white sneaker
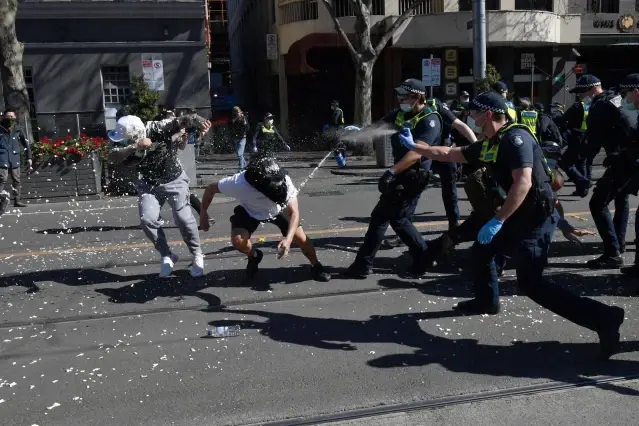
(197, 267)
(167, 265)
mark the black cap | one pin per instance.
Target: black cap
(585, 83)
(538, 107)
(500, 87)
(630, 82)
(465, 93)
(268, 115)
(489, 101)
(412, 85)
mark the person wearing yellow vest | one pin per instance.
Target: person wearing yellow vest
(528, 116)
(501, 88)
(402, 184)
(573, 160)
(524, 224)
(266, 138)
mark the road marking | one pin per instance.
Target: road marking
(113, 247)
(78, 210)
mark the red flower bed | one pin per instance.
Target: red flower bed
(70, 146)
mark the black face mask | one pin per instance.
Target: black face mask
(8, 123)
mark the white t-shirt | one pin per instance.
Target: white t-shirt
(258, 205)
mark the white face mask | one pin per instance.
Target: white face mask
(586, 99)
(473, 126)
(269, 122)
(406, 107)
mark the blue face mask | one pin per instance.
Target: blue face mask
(629, 105)
(473, 126)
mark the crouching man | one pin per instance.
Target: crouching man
(266, 194)
(162, 179)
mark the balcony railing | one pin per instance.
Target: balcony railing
(298, 10)
(344, 8)
(428, 7)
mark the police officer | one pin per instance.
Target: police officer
(266, 137)
(574, 124)
(501, 88)
(12, 142)
(528, 116)
(610, 128)
(332, 129)
(402, 184)
(524, 224)
(630, 91)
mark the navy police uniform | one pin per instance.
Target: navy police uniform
(574, 158)
(267, 139)
(12, 142)
(401, 193)
(609, 128)
(447, 171)
(527, 233)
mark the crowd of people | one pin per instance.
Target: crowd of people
(511, 160)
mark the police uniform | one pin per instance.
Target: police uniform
(609, 128)
(527, 233)
(447, 171)
(401, 193)
(501, 88)
(267, 139)
(12, 142)
(574, 125)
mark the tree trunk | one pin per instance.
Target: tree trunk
(11, 50)
(363, 92)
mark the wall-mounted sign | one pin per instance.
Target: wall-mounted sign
(527, 61)
(153, 71)
(450, 55)
(431, 71)
(271, 47)
(451, 89)
(626, 23)
(450, 72)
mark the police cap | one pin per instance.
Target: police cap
(630, 82)
(500, 87)
(411, 86)
(489, 101)
(585, 83)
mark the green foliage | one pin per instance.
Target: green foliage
(485, 84)
(143, 101)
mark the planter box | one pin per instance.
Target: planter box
(56, 179)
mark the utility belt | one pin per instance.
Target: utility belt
(410, 183)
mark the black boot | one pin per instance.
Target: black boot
(18, 203)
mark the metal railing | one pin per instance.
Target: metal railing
(428, 7)
(298, 10)
(344, 8)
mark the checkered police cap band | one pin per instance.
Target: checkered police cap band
(629, 86)
(587, 85)
(484, 107)
(412, 89)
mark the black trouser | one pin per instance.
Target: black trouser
(611, 230)
(15, 180)
(398, 213)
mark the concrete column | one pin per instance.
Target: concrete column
(283, 89)
(391, 7)
(450, 5)
(507, 5)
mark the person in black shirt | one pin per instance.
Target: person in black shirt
(401, 185)
(523, 225)
(239, 128)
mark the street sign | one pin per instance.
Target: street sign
(527, 61)
(271, 47)
(153, 71)
(431, 71)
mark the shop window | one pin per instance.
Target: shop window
(534, 5)
(467, 5)
(603, 6)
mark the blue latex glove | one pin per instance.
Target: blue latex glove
(287, 148)
(489, 230)
(254, 149)
(406, 138)
(325, 128)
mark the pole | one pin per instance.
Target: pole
(532, 81)
(479, 39)
(431, 76)
(77, 123)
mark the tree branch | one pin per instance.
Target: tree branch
(338, 27)
(398, 23)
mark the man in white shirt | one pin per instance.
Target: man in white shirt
(266, 194)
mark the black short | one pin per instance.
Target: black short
(242, 220)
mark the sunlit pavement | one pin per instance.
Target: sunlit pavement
(91, 336)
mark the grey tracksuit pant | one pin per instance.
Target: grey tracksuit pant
(150, 201)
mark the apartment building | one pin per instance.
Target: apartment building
(79, 57)
(530, 42)
(222, 99)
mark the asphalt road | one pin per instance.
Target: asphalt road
(90, 335)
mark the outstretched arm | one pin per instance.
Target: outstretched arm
(207, 198)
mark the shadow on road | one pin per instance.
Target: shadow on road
(548, 360)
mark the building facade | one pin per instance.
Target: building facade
(222, 99)
(538, 46)
(79, 58)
